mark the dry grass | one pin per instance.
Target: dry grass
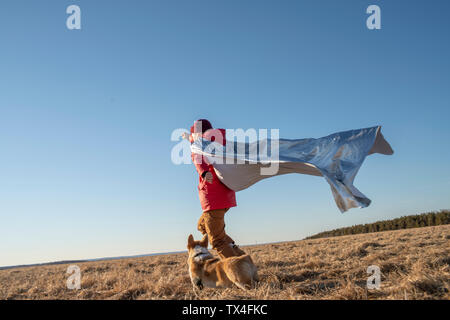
(415, 264)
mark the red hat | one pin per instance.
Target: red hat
(201, 125)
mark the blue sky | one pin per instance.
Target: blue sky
(86, 116)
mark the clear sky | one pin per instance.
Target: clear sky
(86, 116)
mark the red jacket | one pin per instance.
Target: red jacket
(213, 195)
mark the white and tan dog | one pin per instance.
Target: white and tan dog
(207, 271)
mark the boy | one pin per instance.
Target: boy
(215, 197)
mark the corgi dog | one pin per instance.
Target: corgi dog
(207, 271)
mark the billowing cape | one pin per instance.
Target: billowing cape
(336, 157)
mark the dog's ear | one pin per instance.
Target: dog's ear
(191, 242)
(204, 242)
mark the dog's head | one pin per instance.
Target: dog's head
(198, 253)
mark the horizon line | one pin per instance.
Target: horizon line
(118, 257)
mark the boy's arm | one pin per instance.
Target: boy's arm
(200, 164)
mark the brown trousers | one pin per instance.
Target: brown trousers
(212, 223)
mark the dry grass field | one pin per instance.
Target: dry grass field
(415, 264)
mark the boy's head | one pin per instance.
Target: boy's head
(201, 126)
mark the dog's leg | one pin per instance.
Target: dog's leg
(195, 292)
(222, 280)
(243, 281)
(242, 286)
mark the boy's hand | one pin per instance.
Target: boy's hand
(185, 135)
(209, 177)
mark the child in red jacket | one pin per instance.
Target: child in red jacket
(215, 197)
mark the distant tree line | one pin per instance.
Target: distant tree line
(434, 218)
